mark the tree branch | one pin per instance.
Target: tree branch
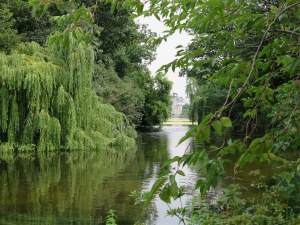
(257, 52)
(288, 32)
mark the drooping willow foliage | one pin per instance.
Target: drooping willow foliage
(47, 101)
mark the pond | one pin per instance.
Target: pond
(81, 187)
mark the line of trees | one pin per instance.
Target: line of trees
(74, 75)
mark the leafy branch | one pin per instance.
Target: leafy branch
(265, 33)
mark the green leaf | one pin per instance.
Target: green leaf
(210, 169)
(226, 122)
(174, 65)
(114, 5)
(254, 143)
(192, 130)
(215, 3)
(295, 67)
(200, 138)
(53, 39)
(165, 194)
(188, 135)
(67, 39)
(207, 118)
(164, 172)
(193, 159)
(202, 132)
(172, 179)
(140, 8)
(180, 172)
(173, 189)
(217, 127)
(158, 184)
(269, 145)
(298, 13)
(157, 16)
(169, 161)
(214, 181)
(86, 39)
(154, 190)
(200, 184)
(206, 134)
(237, 69)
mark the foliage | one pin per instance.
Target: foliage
(121, 47)
(252, 49)
(111, 218)
(63, 71)
(205, 98)
(124, 94)
(32, 28)
(157, 102)
(266, 210)
(9, 37)
(47, 100)
(144, 105)
(122, 44)
(124, 47)
(185, 110)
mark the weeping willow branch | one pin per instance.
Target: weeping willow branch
(47, 100)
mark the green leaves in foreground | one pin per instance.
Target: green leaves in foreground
(166, 186)
(202, 132)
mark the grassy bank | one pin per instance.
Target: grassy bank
(178, 121)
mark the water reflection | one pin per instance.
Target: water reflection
(81, 187)
(58, 188)
(172, 134)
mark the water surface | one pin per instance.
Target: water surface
(80, 187)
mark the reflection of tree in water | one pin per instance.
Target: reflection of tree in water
(155, 151)
(142, 168)
(55, 188)
(80, 187)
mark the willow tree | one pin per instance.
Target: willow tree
(47, 100)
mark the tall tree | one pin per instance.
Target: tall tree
(32, 28)
(121, 47)
(9, 37)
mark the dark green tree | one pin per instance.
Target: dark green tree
(9, 37)
(32, 28)
(157, 102)
(122, 44)
(123, 47)
(123, 93)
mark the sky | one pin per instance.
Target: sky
(166, 52)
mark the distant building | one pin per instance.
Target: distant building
(177, 103)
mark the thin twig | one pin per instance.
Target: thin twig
(288, 32)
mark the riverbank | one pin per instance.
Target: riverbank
(178, 121)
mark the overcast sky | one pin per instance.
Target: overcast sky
(166, 52)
